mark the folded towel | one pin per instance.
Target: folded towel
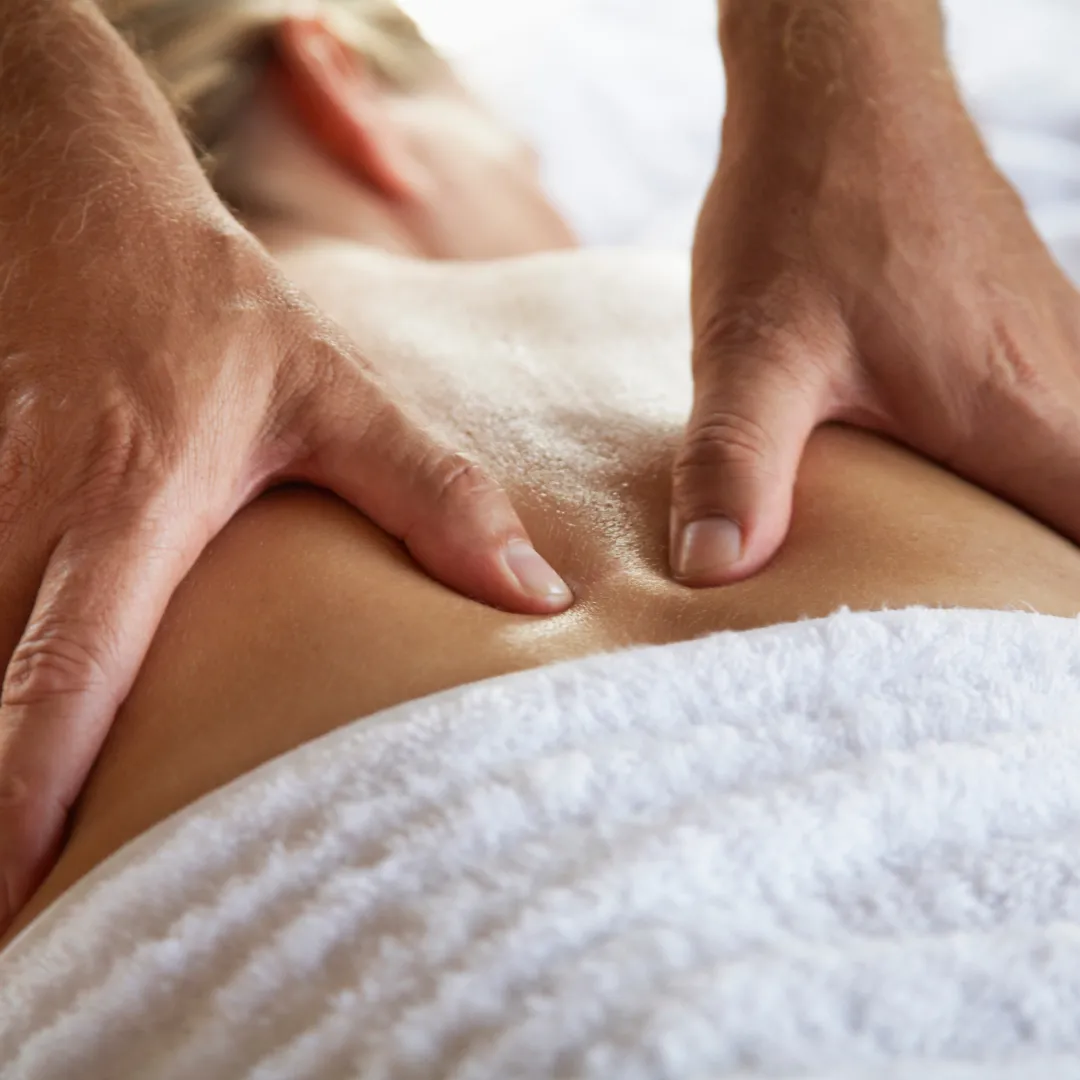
(840, 848)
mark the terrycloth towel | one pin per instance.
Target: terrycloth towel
(841, 848)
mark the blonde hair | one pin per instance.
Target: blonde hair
(209, 56)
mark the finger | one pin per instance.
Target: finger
(734, 476)
(96, 612)
(454, 519)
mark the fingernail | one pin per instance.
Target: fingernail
(708, 547)
(534, 574)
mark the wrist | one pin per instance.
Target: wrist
(885, 30)
(795, 65)
(83, 129)
(821, 88)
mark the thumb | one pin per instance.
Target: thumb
(735, 473)
(454, 519)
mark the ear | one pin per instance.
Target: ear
(342, 107)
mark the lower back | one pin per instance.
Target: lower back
(302, 617)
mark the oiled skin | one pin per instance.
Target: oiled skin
(567, 375)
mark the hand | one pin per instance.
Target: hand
(156, 374)
(872, 266)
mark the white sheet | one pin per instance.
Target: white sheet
(845, 848)
(624, 98)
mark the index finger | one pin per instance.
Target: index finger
(98, 607)
(454, 518)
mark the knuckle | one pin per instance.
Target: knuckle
(99, 465)
(789, 325)
(122, 445)
(50, 665)
(737, 326)
(457, 479)
(1009, 364)
(309, 371)
(20, 473)
(124, 467)
(455, 485)
(357, 410)
(1009, 384)
(737, 445)
(26, 446)
(745, 307)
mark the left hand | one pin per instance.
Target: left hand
(156, 373)
(869, 264)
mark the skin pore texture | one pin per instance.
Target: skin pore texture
(565, 374)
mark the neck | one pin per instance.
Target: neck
(280, 231)
(289, 193)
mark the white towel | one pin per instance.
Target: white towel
(841, 848)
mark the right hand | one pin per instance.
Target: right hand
(158, 373)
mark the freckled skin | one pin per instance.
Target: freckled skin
(567, 375)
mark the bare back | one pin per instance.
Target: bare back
(567, 376)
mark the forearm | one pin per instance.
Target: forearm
(835, 61)
(81, 122)
(842, 91)
(843, 41)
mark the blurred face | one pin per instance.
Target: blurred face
(478, 193)
(451, 178)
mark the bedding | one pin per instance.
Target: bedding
(624, 98)
(836, 848)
